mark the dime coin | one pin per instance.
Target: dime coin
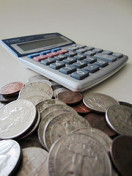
(121, 154)
(101, 137)
(44, 104)
(7, 99)
(61, 125)
(79, 154)
(98, 121)
(98, 102)
(35, 88)
(11, 88)
(44, 121)
(10, 153)
(119, 117)
(81, 108)
(37, 99)
(16, 118)
(34, 162)
(70, 97)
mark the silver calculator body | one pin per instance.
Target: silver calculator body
(76, 67)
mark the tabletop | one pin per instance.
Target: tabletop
(103, 24)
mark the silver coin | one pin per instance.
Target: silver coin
(79, 154)
(1, 105)
(42, 80)
(37, 99)
(10, 153)
(56, 107)
(61, 125)
(98, 102)
(34, 162)
(16, 118)
(44, 104)
(36, 77)
(101, 137)
(43, 124)
(35, 88)
(119, 117)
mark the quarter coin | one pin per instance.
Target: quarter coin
(16, 118)
(11, 88)
(10, 154)
(70, 97)
(35, 88)
(98, 121)
(34, 162)
(98, 102)
(121, 154)
(119, 118)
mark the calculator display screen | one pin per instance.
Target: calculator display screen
(41, 43)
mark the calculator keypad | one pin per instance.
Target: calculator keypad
(77, 61)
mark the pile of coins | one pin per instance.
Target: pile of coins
(63, 133)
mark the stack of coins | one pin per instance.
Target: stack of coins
(73, 134)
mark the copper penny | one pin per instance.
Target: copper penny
(11, 88)
(7, 99)
(81, 108)
(98, 121)
(70, 97)
(121, 154)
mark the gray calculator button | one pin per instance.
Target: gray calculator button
(107, 52)
(74, 48)
(105, 57)
(60, 57)
(118, 55)
(79, 64)
(70, 54)
(83, 50)
(69, 60)
(101, 63)
(89, 60)
(68, 69)
(89, 53)
(48, 61)
(57, 65)
(89, 48)
(91, 68)
(80, 74)
(79, 57)
(97, 50)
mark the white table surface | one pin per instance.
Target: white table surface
(101, 23)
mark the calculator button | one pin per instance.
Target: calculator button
(63, 51)
(107, 52)
(39, 58)
(80, 51)
(105, 57)
(74, 48)
(70, 54)
(89, 60)
(97, 50)
(79, 57)
(69, 60)
(30, 56)
(89, 53)
(101, 63)
(91, 68)
(57, 65)
(68, 69)
(55, 49)
(89, 47)
(45, 52)
(60, 57)
(48, 61)
(118, 55)
(80, 74)
(79, 64)
(52, 54)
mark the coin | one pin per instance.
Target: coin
(61, 125)
(81, 108)
(37, 99)
(44, 121)
(1, 105)
(7, 99)
(98, 102)
(16, 118)
(70, 97)
(58, 91)
(35, 88)
(44, 104)
(36, 77)
(34, 162)
(121, 154)
(78, 154)
(98, 121)
(11, 88)
(100, 136)
(119, 117)
(125, 103)
(10, 154)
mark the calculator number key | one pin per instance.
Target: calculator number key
(80, 74)
(68, 69)
(57, 65)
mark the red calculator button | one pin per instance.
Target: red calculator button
(52, 54)
(41, 57)
(63, 51)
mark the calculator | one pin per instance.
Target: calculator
(75, 66)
